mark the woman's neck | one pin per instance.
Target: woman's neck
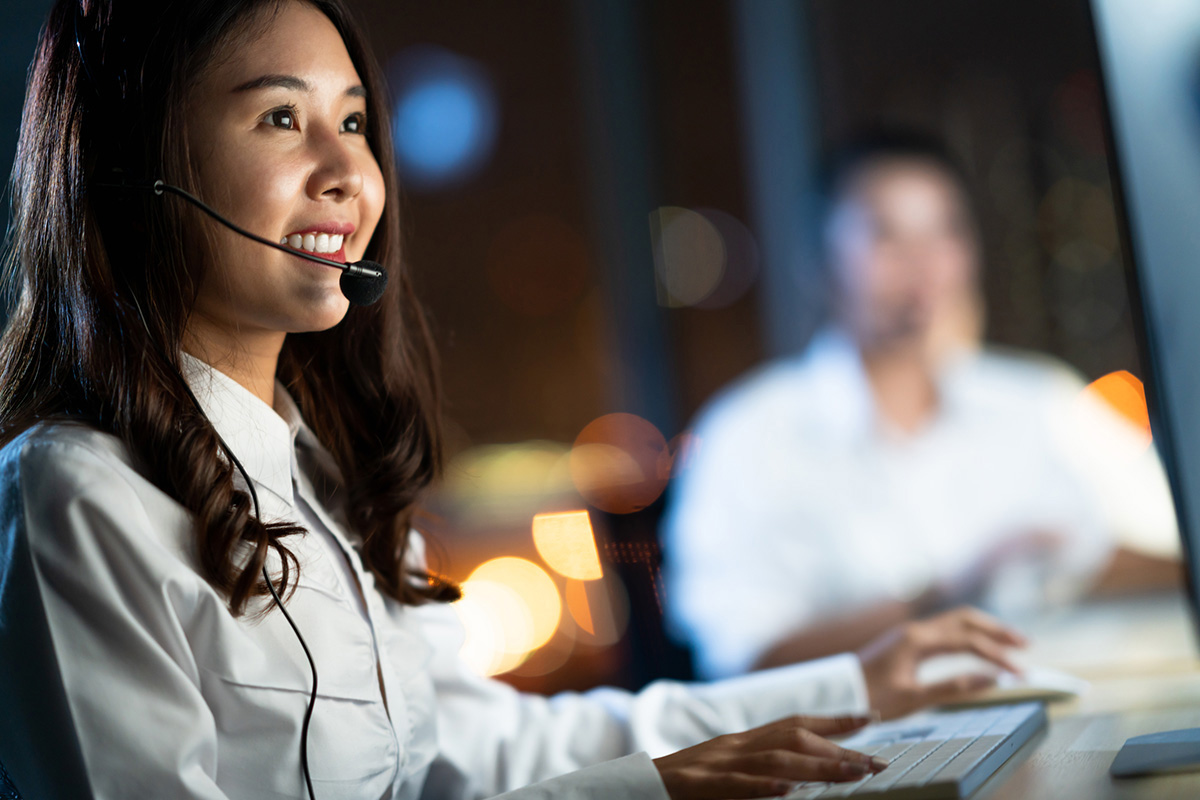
(251, 360)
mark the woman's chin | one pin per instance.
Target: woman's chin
(321, 315)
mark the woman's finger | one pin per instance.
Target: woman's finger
(803, 767)
(803, 741)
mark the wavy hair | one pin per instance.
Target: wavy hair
(101, 287)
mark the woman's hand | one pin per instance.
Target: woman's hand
(766, 761)
(890, 661)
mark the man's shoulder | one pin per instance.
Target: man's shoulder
(774, 386)
(1014, 372)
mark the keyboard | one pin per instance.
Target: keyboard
(935, 755)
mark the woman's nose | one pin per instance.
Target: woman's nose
(337, 173)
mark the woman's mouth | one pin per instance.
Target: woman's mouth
(326, 245)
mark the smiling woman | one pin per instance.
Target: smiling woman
(193, 424)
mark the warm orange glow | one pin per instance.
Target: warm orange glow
(1125, 394)
(577, 604)
(566, 542)
(497, 624)
(510, 607)
(620, 463)
(600, 610)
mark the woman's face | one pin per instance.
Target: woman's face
(277, 130)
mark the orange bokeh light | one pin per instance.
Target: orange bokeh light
(1124, 393)
(620, 463)
(509, 608)
(566, 542)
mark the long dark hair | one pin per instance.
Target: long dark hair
(101, 288)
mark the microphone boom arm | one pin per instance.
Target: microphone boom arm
(352, 268)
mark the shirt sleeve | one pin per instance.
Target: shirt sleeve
(633, 777)
(726, 526)
(111, 591)
(1122, 474)
(493, 738)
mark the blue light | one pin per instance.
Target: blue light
(444, 122)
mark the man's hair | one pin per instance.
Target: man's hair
(876, 146)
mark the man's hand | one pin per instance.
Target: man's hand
(890, 661)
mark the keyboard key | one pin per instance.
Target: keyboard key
(933, 763)
(968, 758)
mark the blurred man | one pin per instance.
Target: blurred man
(895, 467)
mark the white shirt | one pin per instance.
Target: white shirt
(806, 506)
(173, 697)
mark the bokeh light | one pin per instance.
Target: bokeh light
(537, 265)
(506, 483)
(1125, 394)
(444, 122)
(741, 260)
(702, 257)
(620, 463)
(566, 542)
(689, 255)
(509, 608)
(497, 624)
(600, 609)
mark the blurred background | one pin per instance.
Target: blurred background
(609, 210)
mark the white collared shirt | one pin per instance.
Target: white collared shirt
(173, 697)
(801, 500)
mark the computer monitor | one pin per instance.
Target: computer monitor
(1149, 53)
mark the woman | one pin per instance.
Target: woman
(183, 408)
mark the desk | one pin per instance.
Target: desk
(1141, 658)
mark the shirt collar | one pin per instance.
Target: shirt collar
(841, 390)
(262, 438)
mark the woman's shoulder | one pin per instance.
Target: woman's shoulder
(61, 463)
(69, 486)
(63, 452)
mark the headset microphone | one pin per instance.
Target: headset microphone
(362, 282)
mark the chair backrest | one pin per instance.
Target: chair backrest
(37, 735)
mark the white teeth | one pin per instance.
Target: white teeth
(315, 242)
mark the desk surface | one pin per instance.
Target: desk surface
(1141, 658)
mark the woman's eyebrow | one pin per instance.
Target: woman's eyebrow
(289, 82)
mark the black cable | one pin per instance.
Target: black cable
(312, 700)
(159, 187)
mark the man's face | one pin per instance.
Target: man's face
(904, 251)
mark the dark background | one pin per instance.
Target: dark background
(607, 111)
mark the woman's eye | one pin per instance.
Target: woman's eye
(281, 118)
(355, 123)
